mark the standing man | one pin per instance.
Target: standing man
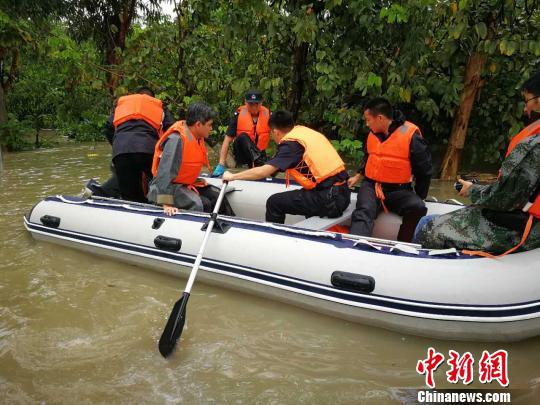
(250, 132)
(504, 216)
(179, 157)
(395, 153)
(133, 129)
(312, 161)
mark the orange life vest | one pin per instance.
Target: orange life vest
(530, 130)
(139, 107)
(259, 132)
(388, 161)
(194, 154)
(320, 157)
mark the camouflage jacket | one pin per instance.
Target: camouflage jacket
(472, 228)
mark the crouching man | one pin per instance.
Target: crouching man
(178, 159)
(308, 157)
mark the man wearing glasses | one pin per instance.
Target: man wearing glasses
(505, 215)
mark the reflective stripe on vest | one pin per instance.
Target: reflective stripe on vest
(388, 161)
(320, 157)
(533, 208)
(194, 154)
(139, 107)
(259, 132)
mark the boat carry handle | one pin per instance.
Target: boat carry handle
(166, 243)
(50, 221)
(157, 223)
(353, 282)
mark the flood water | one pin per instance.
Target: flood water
(79, 329)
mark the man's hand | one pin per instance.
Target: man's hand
(170, 210)
(201, 182)
(228, 176)
(218, 171)
(464, 192)
(354, 179)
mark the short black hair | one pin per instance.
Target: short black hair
(146, 90)
(532, 84)
(200, 112)
(379, 105)
(282, 120)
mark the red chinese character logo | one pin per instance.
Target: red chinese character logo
(429, 365)
(494, 367)
(461, 368)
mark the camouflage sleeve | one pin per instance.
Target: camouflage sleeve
(520, 173)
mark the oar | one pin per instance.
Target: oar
(175, 324)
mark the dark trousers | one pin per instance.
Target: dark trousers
(108, 189)
(329, 202)
(134, 171)
(209, 196)
(110, 186)
(401, 200)
(246, 152)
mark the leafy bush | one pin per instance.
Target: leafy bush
(15, 134)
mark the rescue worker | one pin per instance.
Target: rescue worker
(179, 157)
(395, 153)
(249, 133)
(311, 160)
(133, 129)
(504, 216)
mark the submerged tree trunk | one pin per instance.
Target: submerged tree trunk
(472, 82)
(299, 71)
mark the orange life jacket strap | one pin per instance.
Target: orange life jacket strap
(380, 195)
(524, 237)
(198, 184)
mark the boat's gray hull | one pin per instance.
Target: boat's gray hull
(392, 305)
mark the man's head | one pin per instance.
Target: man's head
(253, 101)
(531, 96)
(145, 90)
(199, 119)
(281, 123)
(378, 114)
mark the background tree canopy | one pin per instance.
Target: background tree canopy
(453, 67)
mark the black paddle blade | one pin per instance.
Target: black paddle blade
(174, 326)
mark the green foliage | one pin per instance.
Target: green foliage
(350, 150)
(15, 132)
(413, 52)
(56, 88)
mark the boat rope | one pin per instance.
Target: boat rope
(141, 207)
(374, 243)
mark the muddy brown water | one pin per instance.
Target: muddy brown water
(80, 329)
